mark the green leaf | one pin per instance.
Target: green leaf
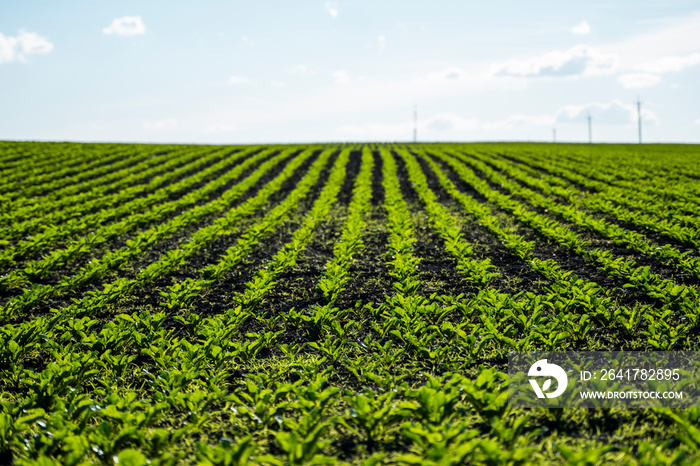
(131, 457)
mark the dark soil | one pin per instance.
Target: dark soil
(74, 266)
(544, 171)
(220, 297)
(212, 250)
(548, 249)
(661, 240)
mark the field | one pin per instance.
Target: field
(336, 304)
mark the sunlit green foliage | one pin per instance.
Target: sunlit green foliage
(335, 304)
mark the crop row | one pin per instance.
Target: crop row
(59, 168)
(618, 235)
(139, 217)
(675, 297)
(137, 245)
(143, 370)
(606, 197)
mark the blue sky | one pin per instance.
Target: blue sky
(304, 71)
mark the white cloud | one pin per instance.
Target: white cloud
(332, 9)
(126, 26)
(219, 128)
(697, 122)
(460, 78)
(663, 38)
(302, 69)
(26, 43)
(384, 131)
(520, 120)
(670, 64)
(233, 80)
(579, 60)
(160, 125)
(637, 80)
(246, 40)
(449, 122)
(611, 113)
(375, 93)
(341, 77)
(581, 28)
(381, 41)
(441, 122)
(278, 84)
(453, 75)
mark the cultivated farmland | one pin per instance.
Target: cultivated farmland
(322, 304)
